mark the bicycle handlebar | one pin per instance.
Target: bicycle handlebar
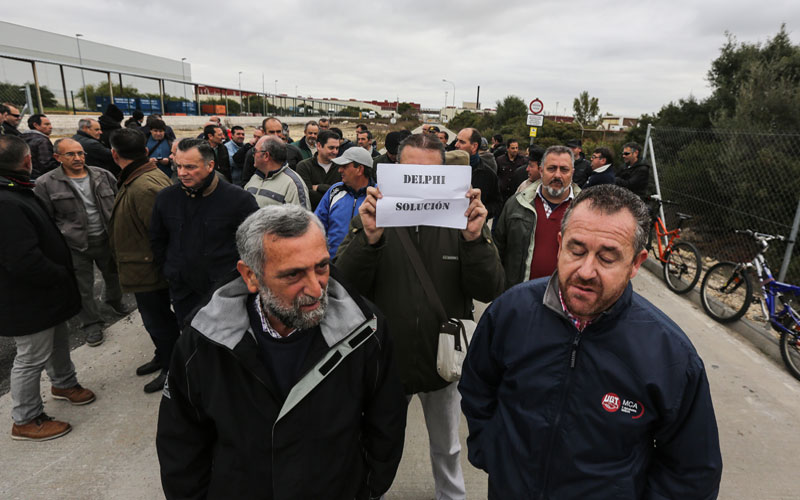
(657, 198)
(761, 236)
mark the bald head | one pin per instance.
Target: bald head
(66, 142)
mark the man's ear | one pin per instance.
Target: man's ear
(249, 276)
(637, 262)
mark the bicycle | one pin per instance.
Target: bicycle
(680, 259)
(727, 292)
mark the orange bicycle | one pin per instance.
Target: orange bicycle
(680, 259)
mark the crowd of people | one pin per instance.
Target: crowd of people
(290, 331)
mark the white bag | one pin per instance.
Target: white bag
(454, 338)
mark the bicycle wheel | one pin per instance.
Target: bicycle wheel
(682, 267)
(790, 351)
(726, 292)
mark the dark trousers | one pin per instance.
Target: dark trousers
(159, 321)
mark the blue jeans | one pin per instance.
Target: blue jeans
(48, 350)
(159, 321)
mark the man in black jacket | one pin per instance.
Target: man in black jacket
(592, 390)
(11, 119)
(97, 155)
(318, 172)
(635, 173)
(283, 385)
(582, 166)
(193, 226)
(39, 293)
(38, 139)
(483, 176)
(215, 137)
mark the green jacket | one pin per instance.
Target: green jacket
(514, 233)
(129, 227)
(460, 270)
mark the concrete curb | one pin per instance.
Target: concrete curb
(760, 335)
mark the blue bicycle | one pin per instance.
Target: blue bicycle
(727, 292)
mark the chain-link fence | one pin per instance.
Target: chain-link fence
(729, 180)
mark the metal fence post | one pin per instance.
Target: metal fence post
(787, 256)
(38, 91)
(649, 146)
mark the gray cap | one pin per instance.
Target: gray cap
(355, 154)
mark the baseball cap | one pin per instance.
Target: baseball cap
(355, 154)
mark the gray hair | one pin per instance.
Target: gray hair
(559, 150)
(277, 149)
(610, 199)
(84, 123)
(283, 221)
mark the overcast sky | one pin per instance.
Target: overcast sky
(635, 56)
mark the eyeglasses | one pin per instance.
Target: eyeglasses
(14, 115)
(626, 154)
(596, 157)
(73, 154)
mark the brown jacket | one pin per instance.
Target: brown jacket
(129, 228)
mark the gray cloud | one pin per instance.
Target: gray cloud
(634, 56)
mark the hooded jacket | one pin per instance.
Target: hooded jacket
(223, 431)
(620, 410)
(38, 288)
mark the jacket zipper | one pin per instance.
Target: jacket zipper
(557, 422)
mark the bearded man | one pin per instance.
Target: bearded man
(282, 385)
(527, 230)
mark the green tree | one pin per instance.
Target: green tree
(511, 109)
(757, 86)
(15, 94)
(586, 109)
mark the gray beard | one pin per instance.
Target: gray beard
(291, 315)
(556, 192)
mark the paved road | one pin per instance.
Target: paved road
(110, 453)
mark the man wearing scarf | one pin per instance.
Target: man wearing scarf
(39, 293)
(139, 183)
(193, 227)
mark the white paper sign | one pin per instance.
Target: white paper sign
(423, 195)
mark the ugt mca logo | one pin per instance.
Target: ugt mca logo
(611, 402)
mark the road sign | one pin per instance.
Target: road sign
(533, 132)
(536, 106)
(535, 120)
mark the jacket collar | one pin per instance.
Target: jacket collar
(134, 170)
(224, 318)
(271, 173)
(552, 301)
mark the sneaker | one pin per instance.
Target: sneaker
(119, 307)
(151, 366)
(76, 394)
(156, 384)
(40, 428)
(94, 335)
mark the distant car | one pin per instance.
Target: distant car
(372, 115)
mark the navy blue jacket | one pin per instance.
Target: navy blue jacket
(597, 178)
(621, 410)
(194, 239)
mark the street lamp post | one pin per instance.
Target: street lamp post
(80, 59)
(275, 99)
(454, 90)
(183, 76)
(241, 102)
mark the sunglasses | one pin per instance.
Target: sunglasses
(626, 154)
(15, 116)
